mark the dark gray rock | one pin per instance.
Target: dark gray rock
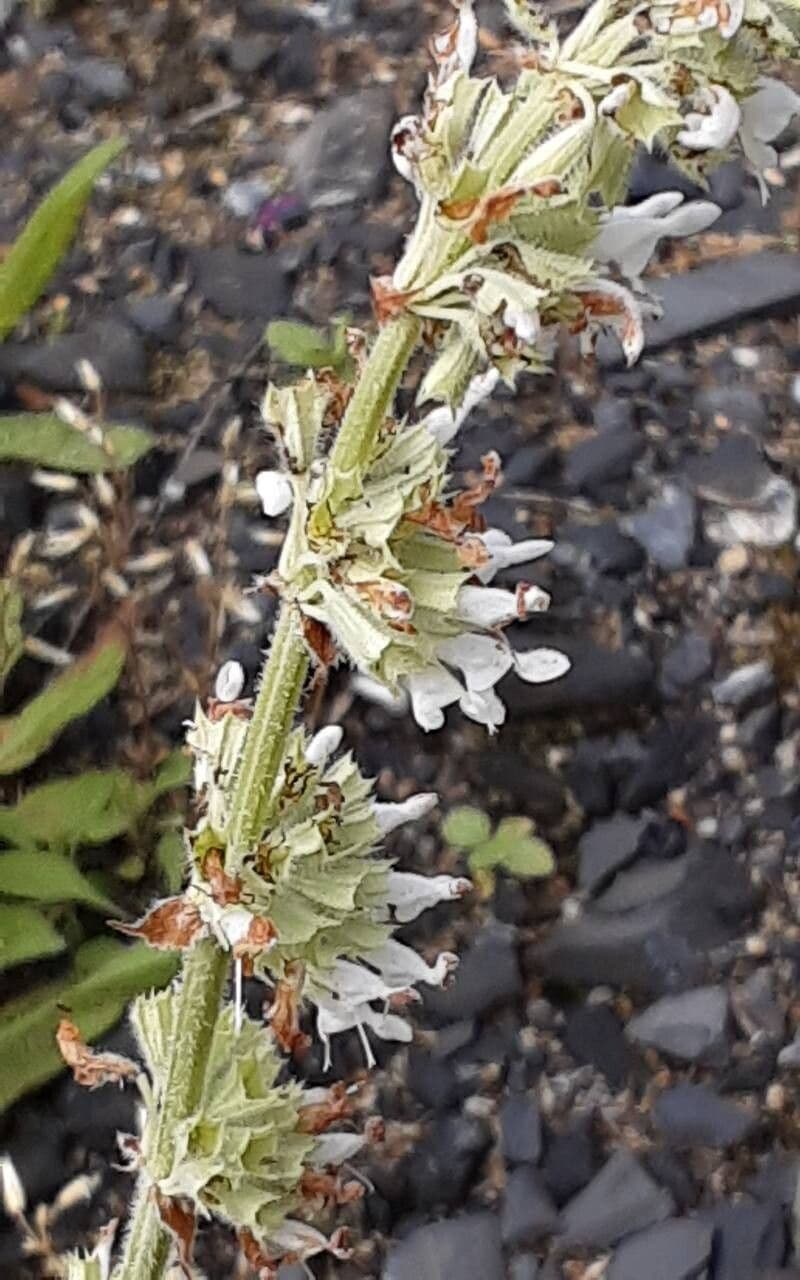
(747, 1238)
(613, 413)
(738, 408)
(16, 512)
(570, 1161)
(672, 1170)
(642, 885)
(776, 1180)
(666, 528)
(733, 472)
(246, 286)
(488, 975)
(692, 1026)
(598, 677)
(469, 1247)
(601, 547)
(432, 1080)
(606, 847)
(620, 1199)
(671, 753)
(528, 1210)
(593, 1035)
(688, 661)
(248, 54)
(442, 1166)
(156, 316)
(521, 1130)
(717, 296)
(610, 455)
(756, 1006)
(101, 82)
(694, 1115)
(116, 351)
(668, 1251)
(524, 1267)
(744, 685)
(343, 155)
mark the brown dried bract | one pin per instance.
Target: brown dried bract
(482, 212)
(329, 1188)
(261, 933)
(388, 302)
(284, 1019)
(320, 641)
(319, 1116)
(266, 1268)
(242, 709)
(180, 1221)
(171, 925)
(225, 889)
(90, 1068)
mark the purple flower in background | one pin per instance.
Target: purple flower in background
(281, 213)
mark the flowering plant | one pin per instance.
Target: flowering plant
(522, 234)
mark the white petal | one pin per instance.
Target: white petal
(323, 744)
(626, 319)
(275, 492)
(333, 1149)
(411, 894)
(403, 967)
(14, 1198)
(533, 600)
(730, 25)
(768, 111)
(505, 554)
(373, 691)
(356, 985)
(715, 130)
(443, 423)
(537, 666)
(482, 659)
(406, 147)
(391, 816)
(430, 691)
(304, 1241)
(233, 924)
(487, 606)
(525, 324)
(333, 1017)
(484, 708)
(630, 234)
(618, 97)
(467, 42)
(229, 682)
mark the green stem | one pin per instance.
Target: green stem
(369, 405)
(265, 746)
(205, 967)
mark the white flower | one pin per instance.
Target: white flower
(630, 233)
(334, 1016)
(443, 423)
(274, 489)
(483, 659)
(539, 666)
(323, 745)
(495, 607)
(526, 325)
(391, 816)
(411, 894)
(765, 115)
(408, 148)
(454, 49)
(610, 305)
(431, 691)
(302, 1241)
(14, 1198)
(230, 682)
(402, 967)
(679, 18)
(715, 128)
(333, 1149)
(505, 553)
(485, 708)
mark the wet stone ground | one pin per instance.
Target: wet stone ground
(610, 1088)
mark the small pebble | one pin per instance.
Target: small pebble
(733, 560)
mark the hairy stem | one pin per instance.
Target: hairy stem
(205, 966)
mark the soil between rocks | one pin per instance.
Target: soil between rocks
(610, 1086)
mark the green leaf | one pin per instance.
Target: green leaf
(11, 638)
(87, 810)
(49, 877)
(514, 848)
(44, 440)
(47, 235)
(170, 858)
(466, 827)
(173, 773)
(305, 347)
(25, 736)
(25, 934)
(106, 976)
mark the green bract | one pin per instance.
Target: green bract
(241, 1154)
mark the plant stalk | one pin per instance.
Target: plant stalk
(205, 966)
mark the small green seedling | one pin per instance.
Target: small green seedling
(513, 847)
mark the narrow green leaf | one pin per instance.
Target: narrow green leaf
(106, 976)
(25, 736)
(44, 440)
(47, 235)
(305, 347)
(173, 773)
(91, 809)
(49, 877)
(11, 638)
(25, 934)
(466, 827)
(170, 856)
